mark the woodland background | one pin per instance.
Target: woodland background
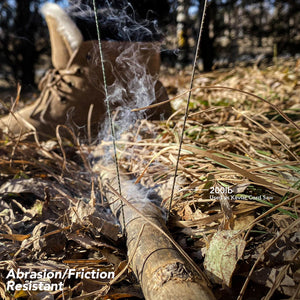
(234, 31)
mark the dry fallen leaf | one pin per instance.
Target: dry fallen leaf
(225, 249)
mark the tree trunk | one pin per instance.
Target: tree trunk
(206, 43)
(182, 34)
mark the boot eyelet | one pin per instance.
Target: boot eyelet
(70, 84)
(78, 71)
(63, 100)
(88, 57)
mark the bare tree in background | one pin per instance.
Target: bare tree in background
(182, 19)
(208, 34)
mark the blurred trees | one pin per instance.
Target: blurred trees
(232, 29)
(21, 36)
(240, 29)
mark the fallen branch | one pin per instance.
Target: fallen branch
(161, 266)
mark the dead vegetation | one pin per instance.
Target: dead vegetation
(236, 201)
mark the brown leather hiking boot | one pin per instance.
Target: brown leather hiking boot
(73, 91)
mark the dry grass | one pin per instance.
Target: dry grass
(239, 170)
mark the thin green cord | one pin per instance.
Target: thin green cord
(187, 107)
(108, 108)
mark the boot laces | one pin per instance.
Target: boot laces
(52, 84)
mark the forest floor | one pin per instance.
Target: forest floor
(235, 208)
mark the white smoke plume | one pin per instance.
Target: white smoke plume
(133, 84)
(131, 59)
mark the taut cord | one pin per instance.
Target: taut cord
(108, 106)
(187, 105)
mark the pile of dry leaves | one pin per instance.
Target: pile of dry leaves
(236, 198)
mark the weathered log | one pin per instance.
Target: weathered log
(156, 260)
